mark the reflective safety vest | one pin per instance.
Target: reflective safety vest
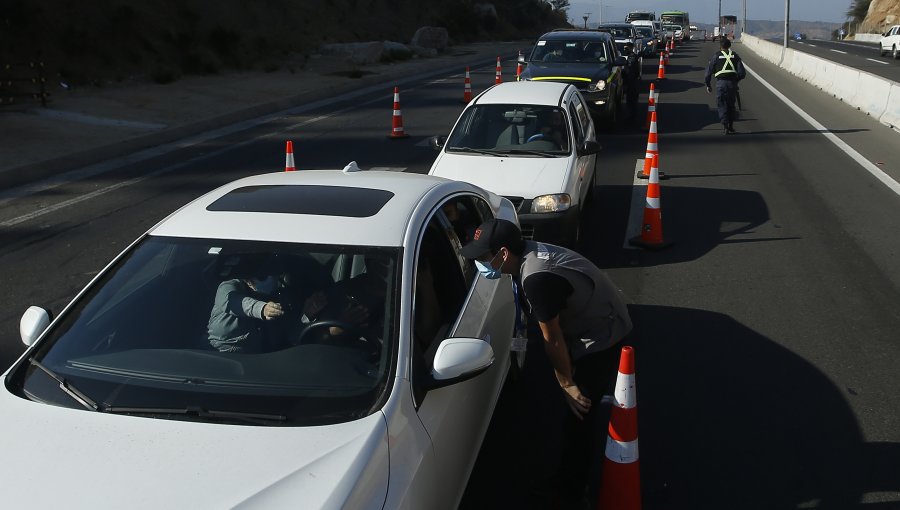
(728, 65)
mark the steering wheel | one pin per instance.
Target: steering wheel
(371, 347)
(536, 136)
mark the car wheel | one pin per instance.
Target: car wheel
(895, 53)
(883, 53)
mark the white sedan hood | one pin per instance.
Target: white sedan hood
(54, 457)
(525, 177)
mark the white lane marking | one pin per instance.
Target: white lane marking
(838, 51)
(878, 61)
(636, 212)
(850, 151)
(813, 45)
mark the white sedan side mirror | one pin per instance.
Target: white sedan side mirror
(458, 359)
(34, 321)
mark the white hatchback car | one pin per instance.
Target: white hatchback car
(890, 42)
(128, 399)
(532, 142)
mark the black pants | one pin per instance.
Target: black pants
(585, 440)
(726, 92)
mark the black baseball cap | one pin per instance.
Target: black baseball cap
(492, 235)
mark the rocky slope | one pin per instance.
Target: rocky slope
(882, 14)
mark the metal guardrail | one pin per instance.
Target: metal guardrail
(23, 81)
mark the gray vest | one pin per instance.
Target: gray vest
(595, 316)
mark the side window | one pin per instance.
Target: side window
(440, 291)
(576, 123)
(583, 116)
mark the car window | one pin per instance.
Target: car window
(582, 114)
(570, 51)
(440, 291)
(509, 129)
(179, 323)
(576, 125)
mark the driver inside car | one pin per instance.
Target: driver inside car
(248, 306)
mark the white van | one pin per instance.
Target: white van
(657, 29)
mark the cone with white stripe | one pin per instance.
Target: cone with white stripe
(397, 118)
(661, 73)
(620, 488)
(289, 157)
(652, 147)
(651, 105)
(498, 78)
(651, 236)
(467, 94)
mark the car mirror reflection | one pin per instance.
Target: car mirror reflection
(437, 142)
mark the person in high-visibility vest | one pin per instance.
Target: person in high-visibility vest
(728, 69)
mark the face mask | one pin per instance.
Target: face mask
(265, 287)
(487, 270)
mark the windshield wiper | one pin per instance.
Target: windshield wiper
(67, 388)
(546, 154)
(199, 412)
(479, 151)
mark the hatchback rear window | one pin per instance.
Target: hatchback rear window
(301, 199)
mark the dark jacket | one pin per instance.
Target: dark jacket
(725, 65)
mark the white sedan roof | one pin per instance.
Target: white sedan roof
(362, 208)
(548, 93)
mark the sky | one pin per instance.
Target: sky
(706, 11)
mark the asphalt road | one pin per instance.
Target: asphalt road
(766, 338)
(858, 55)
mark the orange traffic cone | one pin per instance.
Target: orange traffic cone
(519, 66)
(651, 232)
(467, 94)
(620, 488)
(289, 157)
(498, 78)
(652, 147)
(397, 119)
(651, 105)
(661, 74)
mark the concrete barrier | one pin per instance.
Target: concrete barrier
(874, 95)
(867, 37)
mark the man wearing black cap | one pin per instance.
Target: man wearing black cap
(581, 313)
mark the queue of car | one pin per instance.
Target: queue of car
(337, 413)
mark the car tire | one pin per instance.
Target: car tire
(894, 53)
(883, 53)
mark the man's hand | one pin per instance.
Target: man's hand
(579, 404)
(272, 310)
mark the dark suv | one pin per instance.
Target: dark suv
(587, 59)
(630, 45)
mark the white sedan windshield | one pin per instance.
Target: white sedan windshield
(502, 129)
(291, 333)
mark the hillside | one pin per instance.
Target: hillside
(882, 14)
(161, 40)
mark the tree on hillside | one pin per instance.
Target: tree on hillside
(561, 5)
(859, 9)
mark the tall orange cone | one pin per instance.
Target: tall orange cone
(289, 157)
(651, 230)
(620, 488)
(661, 74)
(397, 118)
(651, 105)
(652, 147)
(498, 78)
(467, 94)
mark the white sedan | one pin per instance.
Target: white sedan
(533, 142)
(173, 381)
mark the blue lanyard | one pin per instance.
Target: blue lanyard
(519, 325)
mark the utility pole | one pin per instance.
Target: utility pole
(586, 16)
(719, 20)
(787, 21)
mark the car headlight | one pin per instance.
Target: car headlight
(551, 203)
(600, 86)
